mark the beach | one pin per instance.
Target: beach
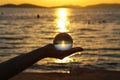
(80, 74)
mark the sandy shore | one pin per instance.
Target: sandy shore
(79, 74)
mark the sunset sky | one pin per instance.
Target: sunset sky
(59, 2)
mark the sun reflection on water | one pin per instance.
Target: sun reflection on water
(63, 43)
(62, 25)
(62, 21)
(65, 60)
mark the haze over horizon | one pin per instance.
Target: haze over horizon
(50, 3)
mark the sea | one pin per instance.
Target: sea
(97, 31)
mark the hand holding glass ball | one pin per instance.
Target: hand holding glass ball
(61, 47)
(63, 41)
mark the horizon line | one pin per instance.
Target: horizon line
(58, 5)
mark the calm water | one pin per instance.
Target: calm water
(96, 30)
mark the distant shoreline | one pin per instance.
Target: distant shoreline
(115, 5)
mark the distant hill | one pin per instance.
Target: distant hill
(65, 6)
(104, 6)
(91, 6)
(22, 6)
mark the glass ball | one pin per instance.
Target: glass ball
(63, 41)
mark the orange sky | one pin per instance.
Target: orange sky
(59, 2)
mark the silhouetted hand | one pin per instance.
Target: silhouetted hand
(19, 63)
(50, 51)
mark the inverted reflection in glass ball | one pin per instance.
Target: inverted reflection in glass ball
(63, 41)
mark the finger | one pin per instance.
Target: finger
(49, 45)
(73, 50)
(77, 49)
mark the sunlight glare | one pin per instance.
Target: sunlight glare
(65, 60)
(63, 44)
(62, 21)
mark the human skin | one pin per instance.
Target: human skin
(17, 64)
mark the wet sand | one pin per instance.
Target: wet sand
(77, 74)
